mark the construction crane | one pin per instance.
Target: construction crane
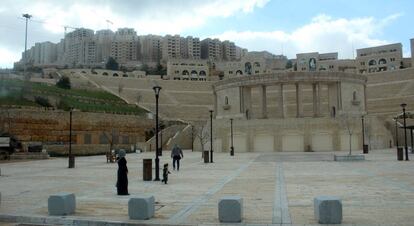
(66, 27)
(107, 23)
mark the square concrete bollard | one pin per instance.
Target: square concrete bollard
(328, 209)
(230, 209)
(141, 207)
(61, 204)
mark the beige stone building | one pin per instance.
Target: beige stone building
(379, 58)
(229, 51)
(104, 42)
(327, 104)
(171, 47)
(211, 49)
(125, 46)
(151, 48)
(187, 69)
(80, 47)
(412, 51)
(190, 48)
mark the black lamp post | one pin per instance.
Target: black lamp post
(211, 136)
(71, 157)
(396, 132)
(363, 133)
(231, 135)
(192, 138)
(403, 105)
(160, 154)
(157, 160)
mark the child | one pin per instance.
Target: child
(165, 173)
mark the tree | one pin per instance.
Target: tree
(64, 83)
(202, 135)
(348, 120)
(111, 64)
(111, 137)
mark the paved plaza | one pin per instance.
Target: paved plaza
(277, 188)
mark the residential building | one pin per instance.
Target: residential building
(125, 46)
(150, 48)
(211, 49)
(171, 47)
(190, 48)
(77, 47)
(104, 43)
(229, 50)
(379, 58)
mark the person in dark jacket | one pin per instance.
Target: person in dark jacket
(176, 155)
(165, 173)
(122, 182)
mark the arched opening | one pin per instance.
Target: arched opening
(105, 73)
(226, 100)
(194, 73)
(354, 95)
(238, 72)
(115, 75)
(185, 72)
(248, 68)
(202, 73)
(382, 61)
(256, 64)
(124, 75)
(372, 62)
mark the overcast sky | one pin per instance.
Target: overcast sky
(278, 26)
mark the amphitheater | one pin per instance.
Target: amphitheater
(190, 101)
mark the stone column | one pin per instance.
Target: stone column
(263, 102)
(280, 102)
(365, 98)
(316, 88)
(246, 102)
(314, 100)
(299, 106)
(319, 102)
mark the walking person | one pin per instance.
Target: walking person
(176, 155)
(122, 181)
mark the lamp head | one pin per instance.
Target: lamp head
(157, 89)
(403, 105)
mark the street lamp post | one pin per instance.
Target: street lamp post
(403, 105)
(157, 160)
(231, 135)
(27, 16)
(71, 157)
(160, 154)
(396, 132)
(211, 136)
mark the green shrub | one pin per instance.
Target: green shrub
(63, 83)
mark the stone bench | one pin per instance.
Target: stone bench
(61, 204)
(141, 207)
(328, 209)
(230, 209)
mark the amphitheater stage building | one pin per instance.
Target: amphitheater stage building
(324, 109)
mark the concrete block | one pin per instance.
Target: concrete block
(343, 158)
(230, 209)
(141, 207)
(328, 209)
(61, 204)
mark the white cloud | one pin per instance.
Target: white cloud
(322, 34)
(6, 57)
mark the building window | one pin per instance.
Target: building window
(382, 61)
(372, 62)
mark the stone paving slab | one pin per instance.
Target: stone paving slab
(378, 191)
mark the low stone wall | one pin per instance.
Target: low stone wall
(82, 150)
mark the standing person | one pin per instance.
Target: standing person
(122, 182)
(165, 173)
(176, 155)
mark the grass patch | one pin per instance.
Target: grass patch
(12, 92)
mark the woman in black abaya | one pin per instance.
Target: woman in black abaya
(122, 182)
